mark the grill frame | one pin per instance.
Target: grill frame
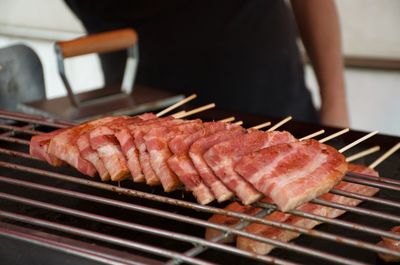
(26, 124)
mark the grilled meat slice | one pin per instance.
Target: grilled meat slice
(293, 173)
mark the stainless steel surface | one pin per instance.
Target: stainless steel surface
(28, 173)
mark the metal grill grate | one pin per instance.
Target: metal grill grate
(167, 228)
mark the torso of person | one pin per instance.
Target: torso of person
(240, 54)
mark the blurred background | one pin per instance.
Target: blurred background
(371, 43)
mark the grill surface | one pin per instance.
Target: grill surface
(61, 215)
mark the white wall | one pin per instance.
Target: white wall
(369, 27)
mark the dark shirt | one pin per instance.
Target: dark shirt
(240, 54)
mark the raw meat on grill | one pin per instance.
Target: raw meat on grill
(63, 145)
(156, 141)
(182, 165)
(223, 156)
(293, 173)
(131, 153)
(286, 235)
(103, 139)
(39, 146)
(213, 160)
(91, 155)
(196, 151)
(390, 244)
(138, 133)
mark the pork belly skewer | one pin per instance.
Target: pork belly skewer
(39, 147)
(196, 152)
(156, 141)
(295, 172)
(115, 147)
(63, 145)
(235, 206)
(285, 235)
(183, 166)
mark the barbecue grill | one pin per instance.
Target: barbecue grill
(58, 216)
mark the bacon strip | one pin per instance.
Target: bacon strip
(196, 152)
(223, 156)
(138, 133)
(63, 145)
(156, 141)
(293, 173)
(391, 244)
(103, 139)
(39, 146)
(286, 235)
(182, 165)
(88, 153)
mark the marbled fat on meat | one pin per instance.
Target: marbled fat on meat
(182, 165)
(223, 156)
(196, 152)
(294, 173)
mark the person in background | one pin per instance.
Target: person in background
(240, 54)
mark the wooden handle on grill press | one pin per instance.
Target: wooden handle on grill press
(99, 43)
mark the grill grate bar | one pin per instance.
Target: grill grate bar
(14, 140)
(34, 120)
(13, 129)
(365, 198)
(199, 249)
(141, 228)
(380, 179)
(104, 258)
(100, 237)
(358, 210)
(18, 154)
(335, 221)
(372, 183)
(195, 206)
(10, 133)
(164, 214)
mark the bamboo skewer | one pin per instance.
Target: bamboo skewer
(279, 124)
(176, 105)
(329, 137)
(262, 125)
(179, 113)
(193, 111)
(312, 135)
(347, 147)
(229, 119)
(363, 153)
(385, 155)
(238, 123)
